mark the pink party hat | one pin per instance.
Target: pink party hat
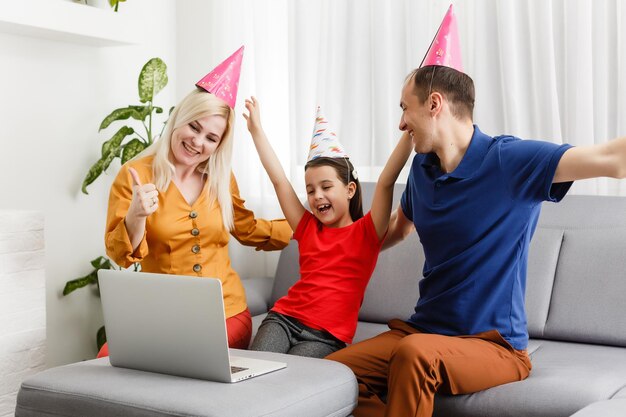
(223, 81)
(445, 49)
(324, 142)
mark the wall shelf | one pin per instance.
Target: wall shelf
(67, 22)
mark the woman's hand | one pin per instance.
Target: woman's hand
(145, 199)
(254, 118)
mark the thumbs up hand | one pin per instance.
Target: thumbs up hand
(145, 198)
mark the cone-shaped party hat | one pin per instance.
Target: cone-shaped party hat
(324, 142)
(223, 81)
(445, 49)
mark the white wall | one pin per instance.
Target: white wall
(22, 302)
(54, 94)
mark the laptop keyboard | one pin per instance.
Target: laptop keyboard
(235, 369)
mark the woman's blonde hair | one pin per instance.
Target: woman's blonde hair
(194, 106)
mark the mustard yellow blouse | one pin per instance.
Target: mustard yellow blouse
(188, 240)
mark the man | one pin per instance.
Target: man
(474, 200)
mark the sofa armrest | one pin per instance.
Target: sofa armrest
(258, 292)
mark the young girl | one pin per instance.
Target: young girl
(338, 245)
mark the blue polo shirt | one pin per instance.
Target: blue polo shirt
(475, 225)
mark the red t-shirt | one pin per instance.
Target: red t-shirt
(335, 266)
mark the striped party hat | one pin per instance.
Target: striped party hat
(324, 142)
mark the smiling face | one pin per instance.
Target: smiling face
(328, 197)
(193, 143)
(416, 119)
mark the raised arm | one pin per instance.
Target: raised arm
(603, 160)
(383, 194)
(399, 228)
(145, 202)
(130, 203)
(289, 202)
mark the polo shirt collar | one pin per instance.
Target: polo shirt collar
(473, 158)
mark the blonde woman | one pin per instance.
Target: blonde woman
(173, 207)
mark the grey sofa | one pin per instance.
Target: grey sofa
(576, 307)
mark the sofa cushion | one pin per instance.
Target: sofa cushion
(584, 212)
(307, 387)
(287, 271)
(258, 292)
(608, 408)
(588, 298)
(393, 289)
(566, 377)
(543, 256)
(621, 394)
(366, 330)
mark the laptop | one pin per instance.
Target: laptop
(173, 325)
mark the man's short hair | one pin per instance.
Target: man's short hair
(455, 86)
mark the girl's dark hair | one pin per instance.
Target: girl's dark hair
(344, 169)
(456, 86)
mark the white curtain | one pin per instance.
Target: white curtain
(553, 70)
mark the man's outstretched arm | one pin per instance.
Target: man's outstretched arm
(603, 160)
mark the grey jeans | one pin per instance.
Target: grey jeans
(284, 334)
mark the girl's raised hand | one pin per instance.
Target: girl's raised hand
(253, 119)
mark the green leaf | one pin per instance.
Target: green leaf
(108, 155)
(159, 110)
(152, 79)
(131, 149)
(101, 337)
(115, 153)
(101, 262)
(94, 172)
(115, 141)
(115, 4)
(110, 150)
(77, 283)
(136, 112)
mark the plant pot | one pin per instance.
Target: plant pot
(100, 4)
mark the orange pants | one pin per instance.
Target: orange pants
(409, 367)
(238, 327)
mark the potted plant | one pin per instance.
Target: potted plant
(115, 4)
(125, 143)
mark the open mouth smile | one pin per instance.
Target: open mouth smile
(323, 208)
(190, 149)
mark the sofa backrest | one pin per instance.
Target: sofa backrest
(393, 288)
(582, 300)
(576, 272)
